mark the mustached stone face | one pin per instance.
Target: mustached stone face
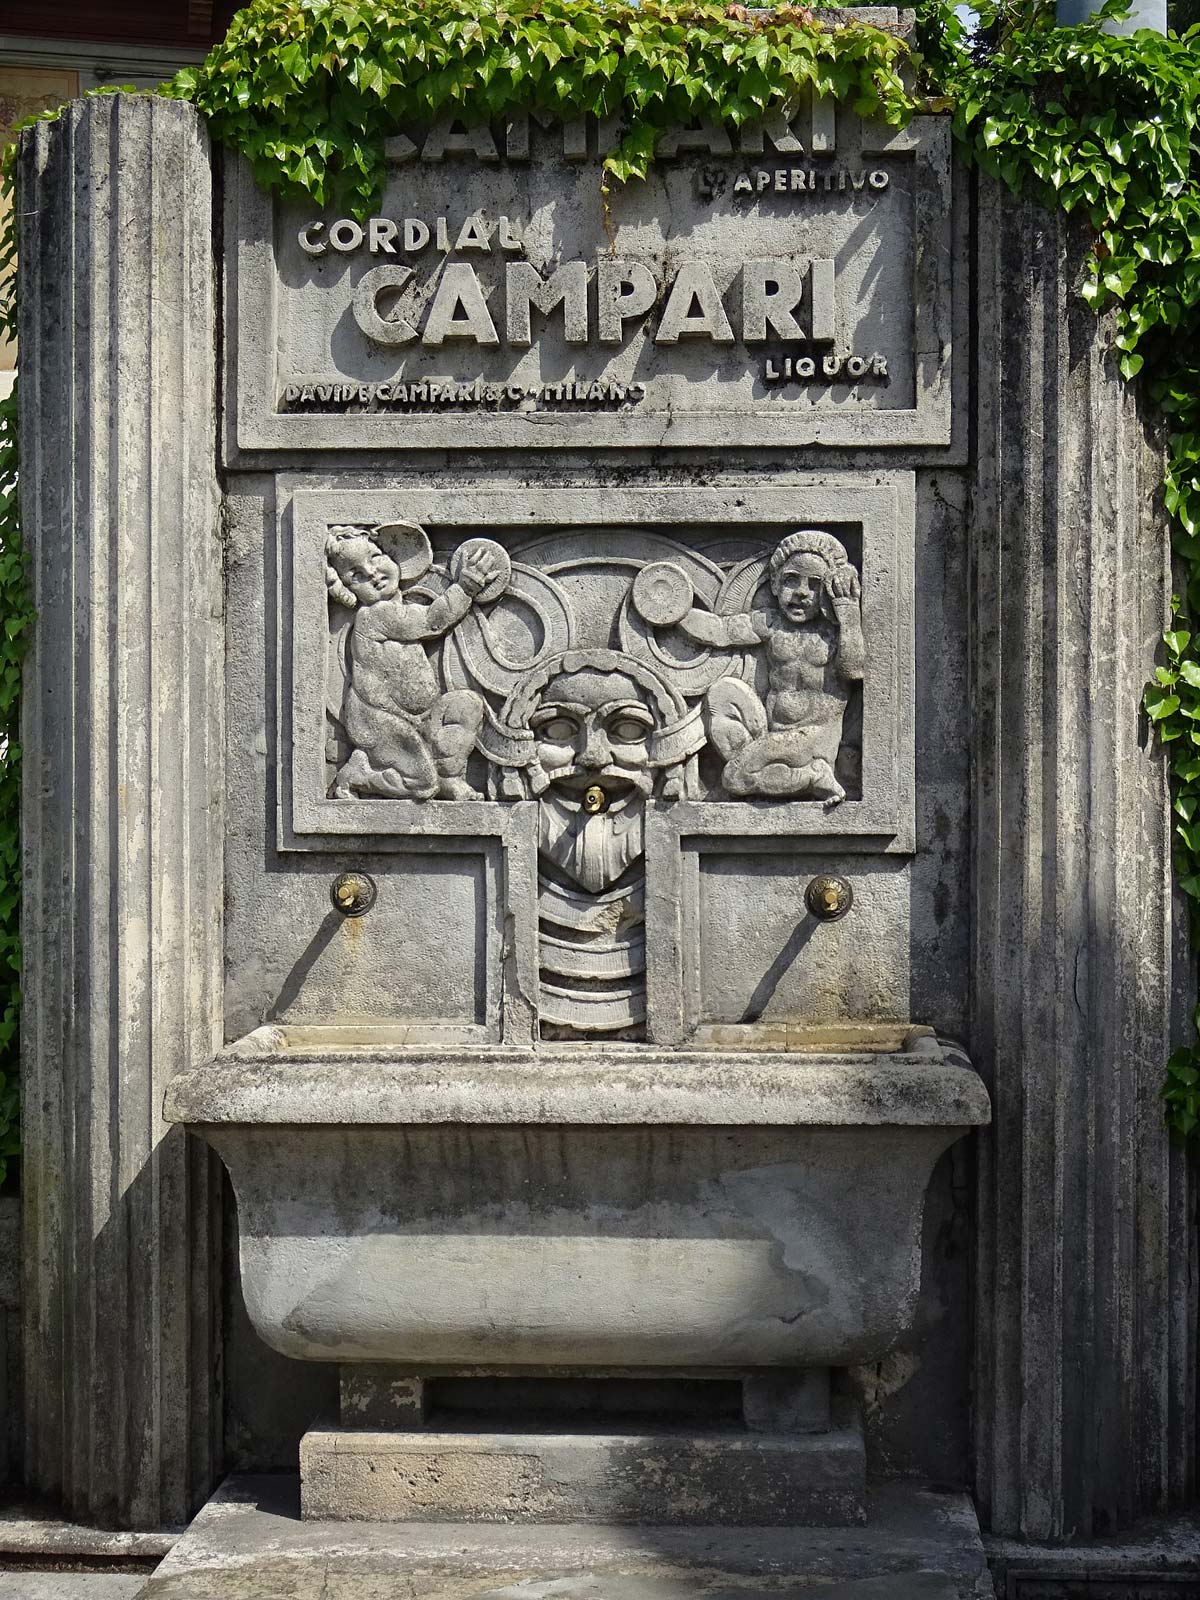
(368, 572)
(593, 726)
(798, 587)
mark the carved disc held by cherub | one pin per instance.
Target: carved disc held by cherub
(499, 555)
(663, 593)
(532, 621)
(660, 597)
(741, 589)
(408, 545)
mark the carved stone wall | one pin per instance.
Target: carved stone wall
(745, 669)
(593, 719)
(1087, 1259)
(597, 673)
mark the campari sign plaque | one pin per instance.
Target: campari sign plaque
(787, 284)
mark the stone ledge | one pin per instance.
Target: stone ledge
(665, 1477)
(1159, 1560)
(602, 1084)
(27, 1533)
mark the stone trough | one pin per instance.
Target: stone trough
(587, 1206)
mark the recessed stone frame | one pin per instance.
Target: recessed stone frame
(874, 521)
(930, 429)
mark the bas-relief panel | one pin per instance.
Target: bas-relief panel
(426, 672)
(727, 662)
(785, 285)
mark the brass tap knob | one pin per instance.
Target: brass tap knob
(353, 893)
(594, 799)
(828, 897)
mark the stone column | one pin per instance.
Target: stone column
(123, 804)
(1086, 1361)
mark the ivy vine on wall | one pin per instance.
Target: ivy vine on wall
(16, 618)
(1099, 125)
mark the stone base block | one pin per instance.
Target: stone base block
(666, 1477)
(250, 1544)
(1158, 1559)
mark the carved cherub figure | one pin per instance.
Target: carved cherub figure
(408, 739)
(814, 647)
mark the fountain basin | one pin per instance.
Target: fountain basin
(589, 1207)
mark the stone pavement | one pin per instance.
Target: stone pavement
(249, 1544)
(70, 1585)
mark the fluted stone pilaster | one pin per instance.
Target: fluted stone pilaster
(1086, 1306)
(122, 810)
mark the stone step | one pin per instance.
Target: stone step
(664, 1476)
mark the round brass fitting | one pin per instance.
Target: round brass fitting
(594, 799)
(828, 897)
(353, 893)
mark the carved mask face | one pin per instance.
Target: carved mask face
(368, 572)
(799, 586)
(591, 728)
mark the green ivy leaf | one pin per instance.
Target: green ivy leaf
(1159, 706)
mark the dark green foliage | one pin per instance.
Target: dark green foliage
(17, 616)
(309, 89)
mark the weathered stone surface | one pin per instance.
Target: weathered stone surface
(123, 803)
(70, 1585)
(787, 1402)
(379, 1397)
(885, 1077)
(10, 1253)
(1087, 1259)
(30, 1533)
(796, 288)
(1157, 1560)
(249, 1544)
(781, 1228)
(668, 1477)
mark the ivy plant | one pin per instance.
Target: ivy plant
(1101, 126)
(15, 619)
(309, 89)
